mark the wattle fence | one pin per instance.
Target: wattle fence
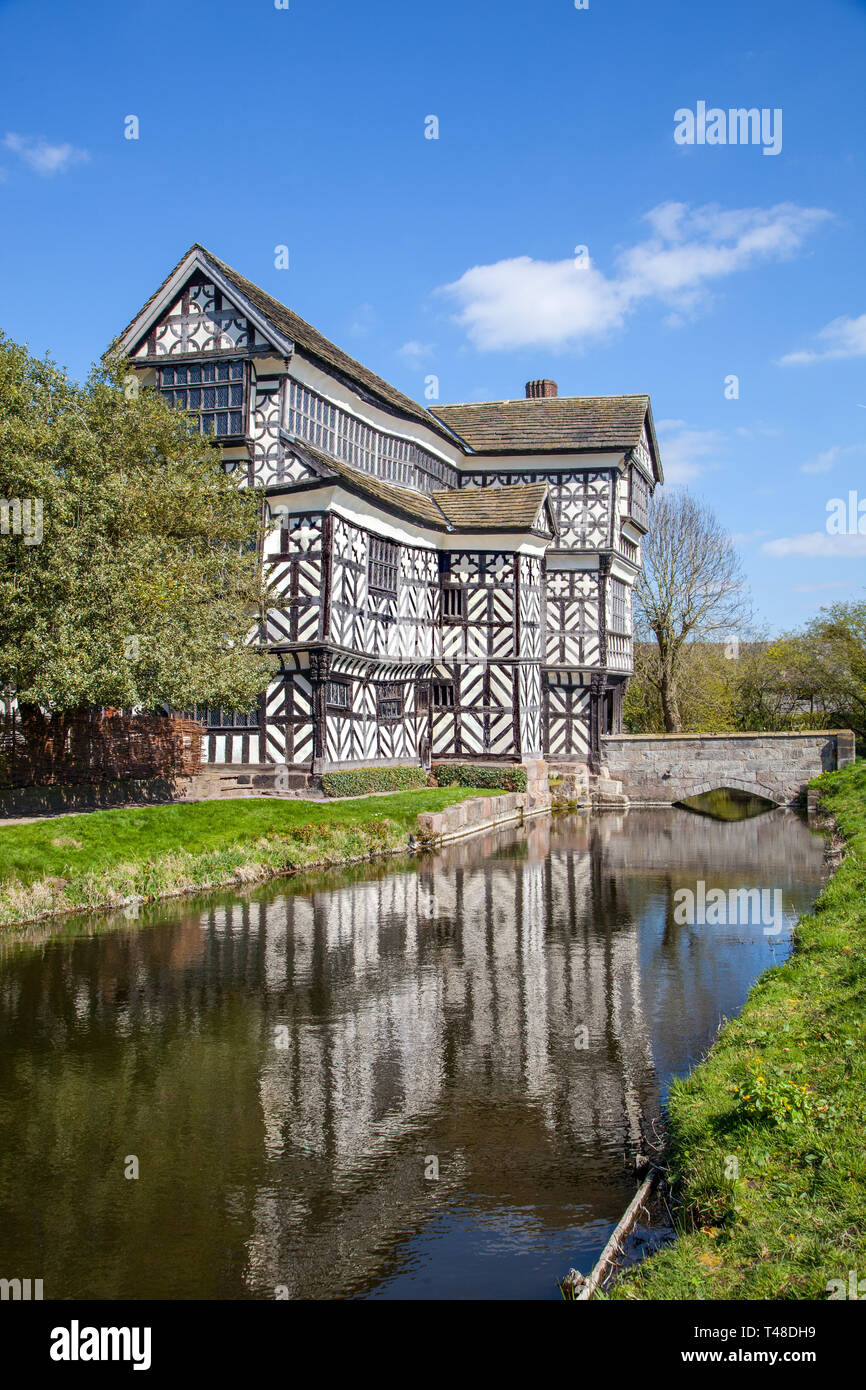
(84, 747)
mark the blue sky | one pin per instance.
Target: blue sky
(456, 256)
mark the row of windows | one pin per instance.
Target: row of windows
(197, 373)
(639, 501)
(212, 390)
(389, 699)
(215, 718)
(336, 432)
(620, 607)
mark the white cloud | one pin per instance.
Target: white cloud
(41, 156)
(844, 337)
(523, 302)
(747, 537)
(414, 352)
(817, 545)
(824, 461)
(364, 318)
(819, 588)
(685, 451)
(829, 457)
(758, 431)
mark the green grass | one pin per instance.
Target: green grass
(108, 857)
(767, 1151)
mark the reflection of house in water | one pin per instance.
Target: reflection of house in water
(428, 1009)
(422, 1007)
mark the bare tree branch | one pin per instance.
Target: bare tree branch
(691, 589)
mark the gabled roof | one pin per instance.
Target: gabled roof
(290, 327)
(551, 423)
(516, 507)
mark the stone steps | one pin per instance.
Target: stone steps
(577, 784)
(224, 781)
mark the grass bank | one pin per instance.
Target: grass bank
(767, 1156)
(108, 858)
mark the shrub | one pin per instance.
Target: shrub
(358, 780)
(496, 778)
(771, 1093)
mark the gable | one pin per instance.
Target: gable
(642, 452)
(279, 328)
(646, 451)
(201, 319)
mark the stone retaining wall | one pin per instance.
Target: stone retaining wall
(479, 813)
(658, 769)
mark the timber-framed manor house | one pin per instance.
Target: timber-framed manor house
(454, 583)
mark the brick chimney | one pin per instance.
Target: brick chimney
(542, 387)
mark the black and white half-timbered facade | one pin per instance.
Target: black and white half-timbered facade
(451, 584)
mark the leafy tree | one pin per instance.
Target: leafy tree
(690, 590)
(145, 585)
(707, 690)
(837, 642)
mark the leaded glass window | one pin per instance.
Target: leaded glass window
(214, 391)
(619, 608)
(389, 702)
(384, 565)
(443, 695)
(214, 718)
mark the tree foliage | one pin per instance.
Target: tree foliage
(146, 585)
(811, 679)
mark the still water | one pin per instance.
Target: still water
(293, 1067)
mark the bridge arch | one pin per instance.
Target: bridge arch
(738, 784)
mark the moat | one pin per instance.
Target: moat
(428, 1078)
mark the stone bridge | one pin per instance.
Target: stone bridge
(658, 769)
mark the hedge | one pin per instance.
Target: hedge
(509, 779)
(356, 781)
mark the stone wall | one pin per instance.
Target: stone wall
(479, 813)
(658, 769)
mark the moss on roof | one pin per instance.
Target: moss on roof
(515, 507)
(548, 423)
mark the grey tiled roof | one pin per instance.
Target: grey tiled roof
(512, 508)
(474, 508)
(548, 423)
